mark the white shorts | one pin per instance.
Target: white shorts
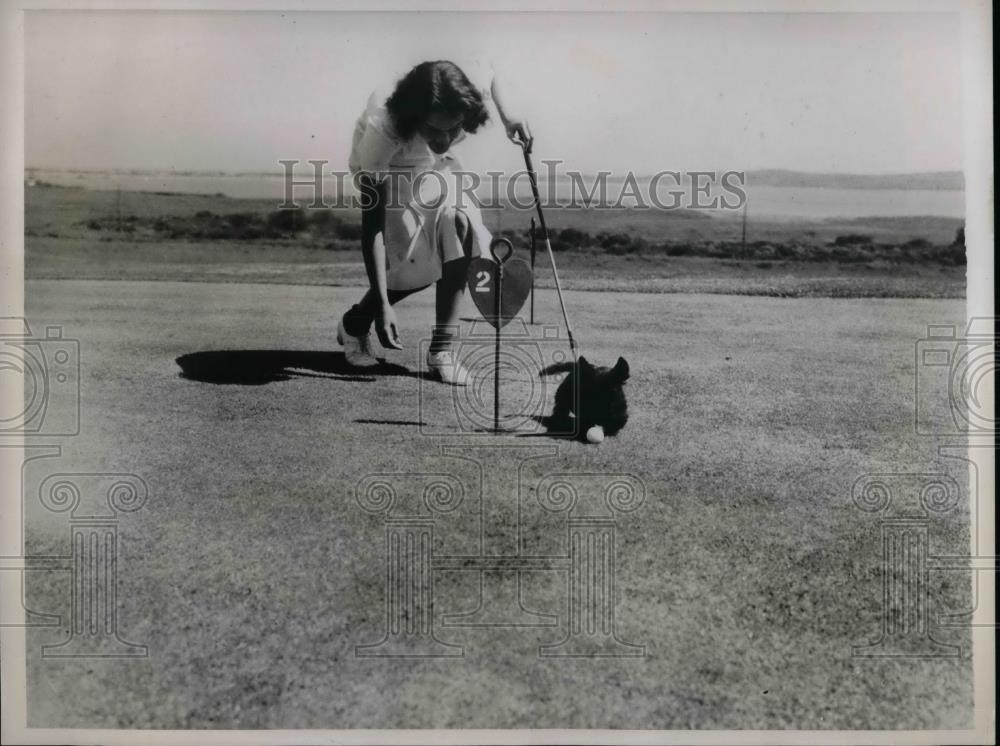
(420, 234)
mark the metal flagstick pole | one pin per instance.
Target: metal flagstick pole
(496, 356)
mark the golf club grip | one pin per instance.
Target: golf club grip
(532, 179)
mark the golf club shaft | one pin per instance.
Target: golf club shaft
(532, 271)
(548, 247)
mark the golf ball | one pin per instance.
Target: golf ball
(595, 434)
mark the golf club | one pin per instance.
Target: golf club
(526, 148)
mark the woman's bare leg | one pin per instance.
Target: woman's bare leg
(447, 302)
(451, 288)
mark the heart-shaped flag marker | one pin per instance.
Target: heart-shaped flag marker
(483, 277)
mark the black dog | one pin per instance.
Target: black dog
(590, 396)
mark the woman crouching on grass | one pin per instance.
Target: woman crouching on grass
(411, 240)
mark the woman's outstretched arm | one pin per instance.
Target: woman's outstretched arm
(517, 127)
(373, 250)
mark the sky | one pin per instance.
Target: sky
(853, 93)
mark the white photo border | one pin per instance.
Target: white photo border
(977, 113)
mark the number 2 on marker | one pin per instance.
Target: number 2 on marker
(484, 281)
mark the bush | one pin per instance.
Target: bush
(241, 225)
(321, 221)
(818, 254)
(287, 221)
(849, 256)
(516, 237)
(727, 249)
(347, 231)
(571, 238)
(241, 219)
(954, 255)
(608, 240)
(337, 244)
(852, 239)
(620, 243)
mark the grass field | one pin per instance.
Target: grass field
(252, 574)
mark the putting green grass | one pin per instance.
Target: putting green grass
(252, 573)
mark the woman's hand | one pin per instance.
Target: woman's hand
(518, 132)
(387, 329)
(517, 128)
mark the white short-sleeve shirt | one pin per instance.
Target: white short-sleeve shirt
(376, 146)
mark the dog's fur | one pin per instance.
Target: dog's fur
(590, 395)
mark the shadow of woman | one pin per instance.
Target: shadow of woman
(259, 367)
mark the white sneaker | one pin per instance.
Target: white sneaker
(442, 365)
(357, 350)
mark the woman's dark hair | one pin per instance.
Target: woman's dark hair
(435, 85)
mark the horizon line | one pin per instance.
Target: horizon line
(127, 171)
